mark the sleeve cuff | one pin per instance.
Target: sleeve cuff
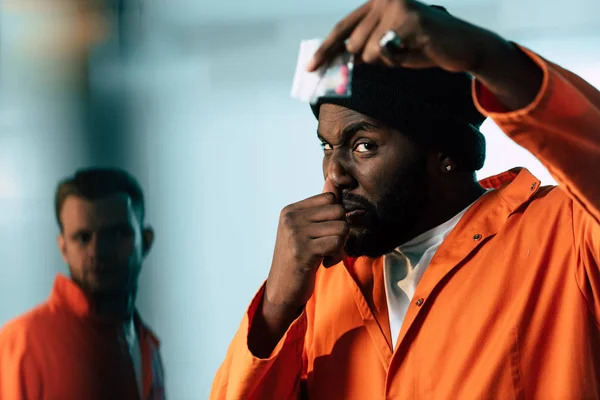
(488, 105)
(292, 336)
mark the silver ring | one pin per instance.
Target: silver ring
(391, 42)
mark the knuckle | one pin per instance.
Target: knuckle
(368, 57)
(345, 229)
(286, 210)
(329, 246)
(329, 197)
(288, 217)
(414, 18)
(319, 251)
(287, 220)
(371, 54)
(339, 27)
(323, 250)
(351, 45)
(337, 242)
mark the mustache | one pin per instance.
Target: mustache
(101, 266)
(356, 200)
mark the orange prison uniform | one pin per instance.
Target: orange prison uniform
(60, 350)
(509, 307)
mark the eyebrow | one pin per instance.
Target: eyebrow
(79, 232)
(351, 130)
(111, 227)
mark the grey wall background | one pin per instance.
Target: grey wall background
(217, 143)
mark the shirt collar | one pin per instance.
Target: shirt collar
(67, 295)
(515, 186)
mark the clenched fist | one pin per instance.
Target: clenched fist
(310, 232)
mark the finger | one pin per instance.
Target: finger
(385, 60)
(362, 33)
(319, 200)
(410, 53)
(393, 57)
(332, 212)
(334, 42)
(394, 19)
(412, 59)
(330, 246)
(326, 229)
(372, 51)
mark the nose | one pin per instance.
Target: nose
(99, 246)
(330, 188)
(337, 176)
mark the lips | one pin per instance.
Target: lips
(350, 207)
(104, 269)
(354, 212)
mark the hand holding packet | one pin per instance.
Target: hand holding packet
(331, 80)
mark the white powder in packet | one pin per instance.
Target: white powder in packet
(332, 80)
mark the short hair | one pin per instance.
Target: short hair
(97, 183)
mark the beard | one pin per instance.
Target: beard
(111, 294)
(112, 281)
(392, 219)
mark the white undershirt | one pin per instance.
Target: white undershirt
(404, 267)
(135, 352)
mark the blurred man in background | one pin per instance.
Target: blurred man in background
(88, 341)
(407, 278)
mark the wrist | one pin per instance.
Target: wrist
(492, 52)
(280, 313)
(508, 73)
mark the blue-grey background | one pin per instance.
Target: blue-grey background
(215, 139)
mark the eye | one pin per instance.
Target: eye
(122, 232)
(326, 146)
(365, 147)
(83, 238)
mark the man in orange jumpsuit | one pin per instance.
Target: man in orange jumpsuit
(87, 341)
(407, 278)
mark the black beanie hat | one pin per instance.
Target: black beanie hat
(433, 106)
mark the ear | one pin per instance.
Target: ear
(446, 163)
(62, 246)
(147, 240)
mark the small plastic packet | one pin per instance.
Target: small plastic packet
(332, 80)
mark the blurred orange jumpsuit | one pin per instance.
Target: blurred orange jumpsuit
(62, 350)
